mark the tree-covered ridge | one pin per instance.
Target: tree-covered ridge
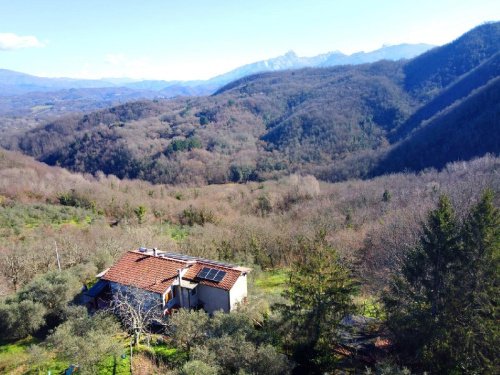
(335, 123)
(466, 128)
(432, 71)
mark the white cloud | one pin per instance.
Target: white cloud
(10, 41)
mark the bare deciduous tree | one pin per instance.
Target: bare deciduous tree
(138, 311)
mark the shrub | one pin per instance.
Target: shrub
(20, 319)
(72, 198)
(188, 144)
(199, 216)
(196, 367)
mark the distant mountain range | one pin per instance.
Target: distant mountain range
(340, 122)
(290, 60)
(15, 83)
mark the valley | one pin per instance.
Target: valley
(362, 191)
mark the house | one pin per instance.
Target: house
(174, 279)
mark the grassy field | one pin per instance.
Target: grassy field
(176, 232)
(15, 358)
(14, 218)
(116, 366)
(271, 283)
(12, 356)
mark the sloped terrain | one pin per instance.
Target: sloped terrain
(357, 119)
(468, 128)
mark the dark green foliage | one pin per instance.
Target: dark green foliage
(443, 308)
(72, 198)
(199, 216)
(437, 68)
(318, 296)
(40, 305)
(386, 197)
(241, 173)
(468, 128)
(228, 343)
(20, 319)
(54, 290)
(86, 340)
(187, 144)
(418, 300)
(477, 334)
(140, 212)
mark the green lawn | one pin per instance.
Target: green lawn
(271, 282)
(13, 355)
(164, 353)
(116, 366)
(15, 359)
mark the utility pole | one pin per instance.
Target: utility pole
(57, 257)
(181, 297)
(131, 352)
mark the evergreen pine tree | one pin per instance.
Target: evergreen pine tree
(476, 297)
(319, 295)
(417, 302)
(443, 309)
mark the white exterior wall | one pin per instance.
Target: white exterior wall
(213, 299)
(186, 297)
(238, 292)
(193, 299)
(188, 300)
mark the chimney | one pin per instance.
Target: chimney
(155, 251)
(181, 301)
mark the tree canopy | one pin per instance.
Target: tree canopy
(443, 308)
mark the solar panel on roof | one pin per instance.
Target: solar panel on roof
(220, 275)
(183, 257)
(211, 274)
(203, 273)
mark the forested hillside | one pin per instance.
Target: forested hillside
(467, 128)
(432, 71)
(373, 225)
(335, 123)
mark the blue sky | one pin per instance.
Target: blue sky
(197, 39)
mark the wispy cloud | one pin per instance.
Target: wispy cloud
(115, 58)
(10, 41)
(121, 65)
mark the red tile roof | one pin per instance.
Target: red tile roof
(144, 271)
(156, 274)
